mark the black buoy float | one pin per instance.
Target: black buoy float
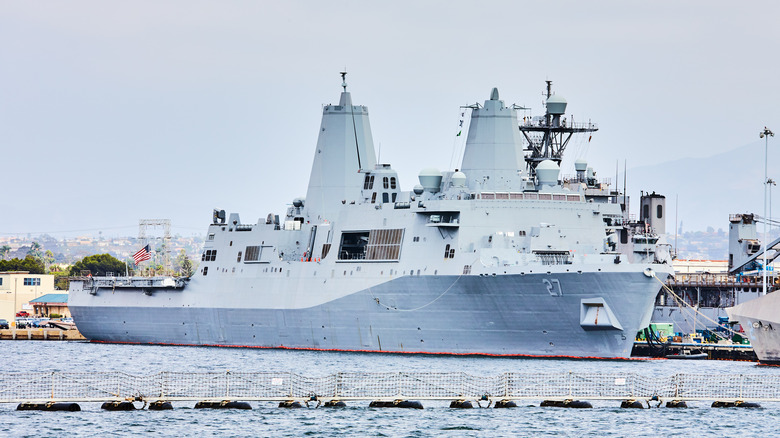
(505, 404)
(334, 404)
(461, 404)
(575, 404)
(735, 404)
(676, 404)
(290, 404)
(160, 405)
(408, 404)
(118, 406)
(631, 404)
(225, 404)
(51, 406)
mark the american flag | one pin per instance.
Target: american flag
(142, 254)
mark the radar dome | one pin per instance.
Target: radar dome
(298, 202)
(547, 172)
(580, 165)
(458, 179)
(556, 105)
(430, 179)
(418, 190)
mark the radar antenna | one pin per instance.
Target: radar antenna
(344, 79)
(548, 137)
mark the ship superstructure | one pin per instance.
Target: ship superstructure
(500, 257)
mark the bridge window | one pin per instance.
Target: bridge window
(393, 184)
(659, 212)
(385, 183)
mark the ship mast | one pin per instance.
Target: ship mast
(548, 138)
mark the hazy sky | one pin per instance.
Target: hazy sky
(115, 111)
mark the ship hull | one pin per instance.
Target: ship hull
(760, 319)
(516, 315)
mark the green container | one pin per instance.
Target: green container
(662, 329)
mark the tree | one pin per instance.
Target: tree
(61, 281)
(48, 259)
(4, 250)
(98, 264)
(27, 264)
(186, 267)
(35, 251)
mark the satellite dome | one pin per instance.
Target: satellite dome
(580, 165)
(430, 179)
(418, 190)
(458, 179)
(556, 105)
(547, 172)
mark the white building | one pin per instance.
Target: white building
(17, 288)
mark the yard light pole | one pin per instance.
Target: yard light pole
(765, 134)
(770, 182)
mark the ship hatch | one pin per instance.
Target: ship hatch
(595, 314)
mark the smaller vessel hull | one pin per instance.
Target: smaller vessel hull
(760, 318)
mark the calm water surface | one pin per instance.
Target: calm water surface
(606, 419)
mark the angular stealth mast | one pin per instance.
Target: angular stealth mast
(492, 156)
(345, 148)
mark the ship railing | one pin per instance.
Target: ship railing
(541, 123)
(717, 279)
(131, 282)
(277, 386)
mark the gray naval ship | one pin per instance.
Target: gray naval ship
(760, 319)
(757, 313)
(502, 256)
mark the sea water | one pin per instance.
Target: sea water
(437, 419)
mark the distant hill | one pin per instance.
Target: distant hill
(709, 188)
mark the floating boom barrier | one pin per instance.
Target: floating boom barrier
(48, 388)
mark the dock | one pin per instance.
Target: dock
(287, 387)
(41, 334)
(713, 351)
